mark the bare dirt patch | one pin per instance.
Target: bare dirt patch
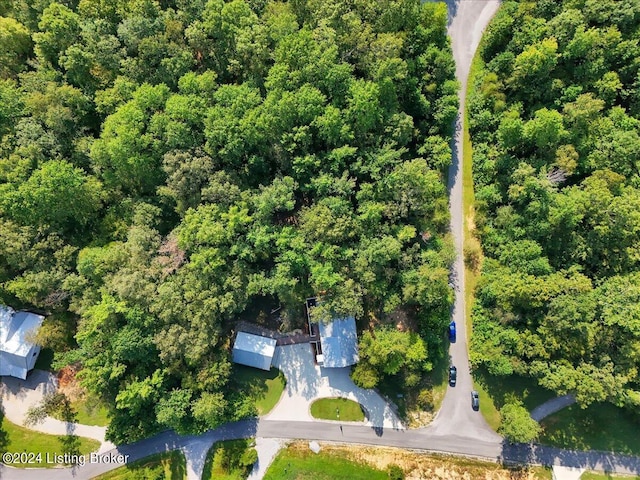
(68, 384)
(400, 318)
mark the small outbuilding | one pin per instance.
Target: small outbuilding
(18, 352)
(254, 350)
(339, 343)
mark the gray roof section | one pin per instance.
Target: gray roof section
(339, 342)
(254, 350)
(16, 329)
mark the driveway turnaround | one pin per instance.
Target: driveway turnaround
(307, 382)
(19, 395)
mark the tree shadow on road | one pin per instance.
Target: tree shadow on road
(533, 454)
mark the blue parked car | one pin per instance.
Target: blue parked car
(452, 332)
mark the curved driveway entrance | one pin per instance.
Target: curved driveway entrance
(307, 382)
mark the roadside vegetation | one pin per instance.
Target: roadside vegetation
(230, 460)
(162, 466)
(606, 476)
(166, 166)
(554, 117)
(263, 389)
(75, 406)
(297, 461)
(600, 426)
(341, 409)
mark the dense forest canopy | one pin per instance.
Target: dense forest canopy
(555, 121)
(166, 164)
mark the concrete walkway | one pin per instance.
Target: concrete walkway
(195, 454)
(307, 382)
(20, 395)
(267, 449)
(552, 406)
(566, 473)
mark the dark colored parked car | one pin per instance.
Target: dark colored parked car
(453, 375)
(452, 332)
(475, 400)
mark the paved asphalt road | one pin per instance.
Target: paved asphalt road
(467, 20)
(412, 439)
(456, 429)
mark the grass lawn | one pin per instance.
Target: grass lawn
(303, 464)
(439, 378)
(409, 411)
(16, 439)
(91, 412)
(264, 387)
(223, 458)
(495, 391)
(361, 462)
(337, 409)
(599, 427)
(166, 466)
(606, 476)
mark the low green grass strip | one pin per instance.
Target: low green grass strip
(487, 406)
(306, 465)
(17, 439)
(337, 409)
(162, 466)
(607, 476)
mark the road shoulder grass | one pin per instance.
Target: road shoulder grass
(161, 466)
(363, 462)
(487, 406)
(607, 476)
(299, 463)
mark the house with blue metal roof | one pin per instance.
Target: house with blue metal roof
(339, 343)
(335, 341)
